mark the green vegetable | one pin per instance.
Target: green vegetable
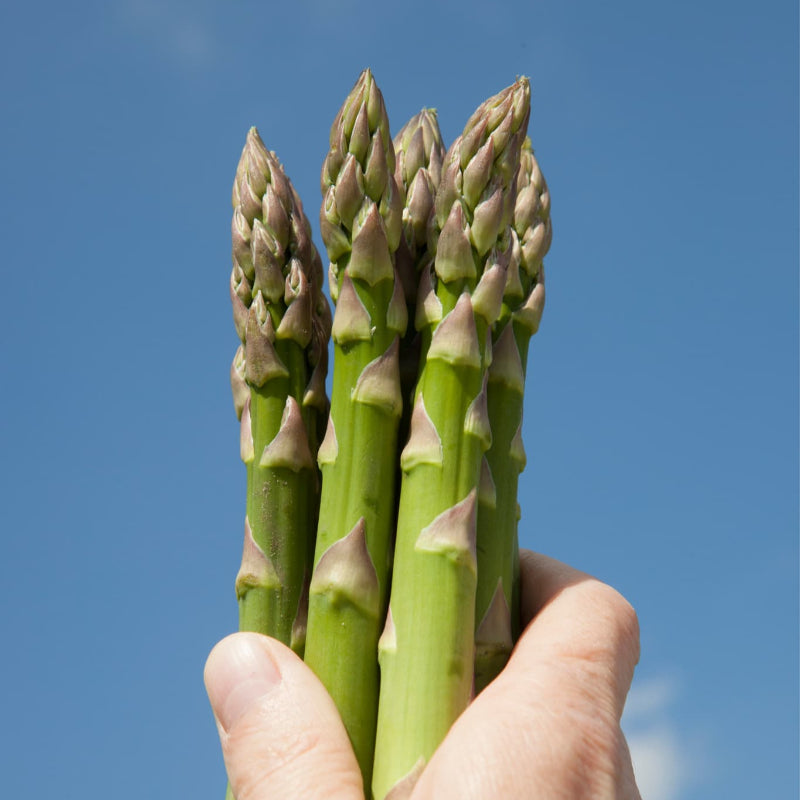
(497, 602)
(361, 222)
(419, 152)
(278, 381)
(426, 650)
(405, 484)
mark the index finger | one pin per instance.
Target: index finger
(570, 615)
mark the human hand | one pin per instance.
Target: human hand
(547, 728)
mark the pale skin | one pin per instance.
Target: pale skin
(546, 729)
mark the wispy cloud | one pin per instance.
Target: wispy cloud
(659, 762)
(666, 760)
(650, 697)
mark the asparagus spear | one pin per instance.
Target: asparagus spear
(278, 382)
(419, 152)
(426, 649)
(497, 602)
(361, 222)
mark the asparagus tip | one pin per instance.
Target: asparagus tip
(352, 322)
(379, 381)
(452, 533)
(289, 448)
(345, 572)
(455, 339)
(257, 570)
(506, 366)
(424, 443)
(329, 449)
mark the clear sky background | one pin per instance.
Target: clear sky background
(661, 411)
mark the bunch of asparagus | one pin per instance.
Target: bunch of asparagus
(381, 527)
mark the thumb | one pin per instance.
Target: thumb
(281, 734)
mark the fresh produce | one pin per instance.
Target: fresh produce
(278, 381)
(361, 222)
(381, 528)
(497, 604)
(419, 151)
(427, 648)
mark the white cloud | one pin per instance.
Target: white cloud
(666, 760)
(659, 763)
(650, 697)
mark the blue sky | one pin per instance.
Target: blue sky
(661, 411)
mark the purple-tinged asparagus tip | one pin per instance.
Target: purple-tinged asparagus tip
(371, 259)
(289, 448)
(452, 533)
(530, 314)
(351, 322)
(424, 443)
(345, 570)
(257, 570)
(494, 631)
(329, 449)
(246, 450)
(397, 311)
(429, 307)
(454, 259)
(455, 339)
(487, 298)
(487, 221)
(239, 388)
(388, 638)
(477, 422)
(262, 363)
(506, 365)
(295, 324)
(379, 382)
(266, 265)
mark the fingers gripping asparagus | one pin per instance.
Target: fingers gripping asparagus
(278, 378)
(497, 601)
(361, 221)
(426, 654)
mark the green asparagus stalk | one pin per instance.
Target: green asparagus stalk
(361, 221)
(427, 646)
(278, 382)
(419, 153)
(497, 601)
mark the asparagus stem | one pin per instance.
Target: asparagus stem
(361, 221)
(283, 321)
(497, 600)
(419, 152)
(427, 654)
(278, 384)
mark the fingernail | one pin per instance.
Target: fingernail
(239, 672)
